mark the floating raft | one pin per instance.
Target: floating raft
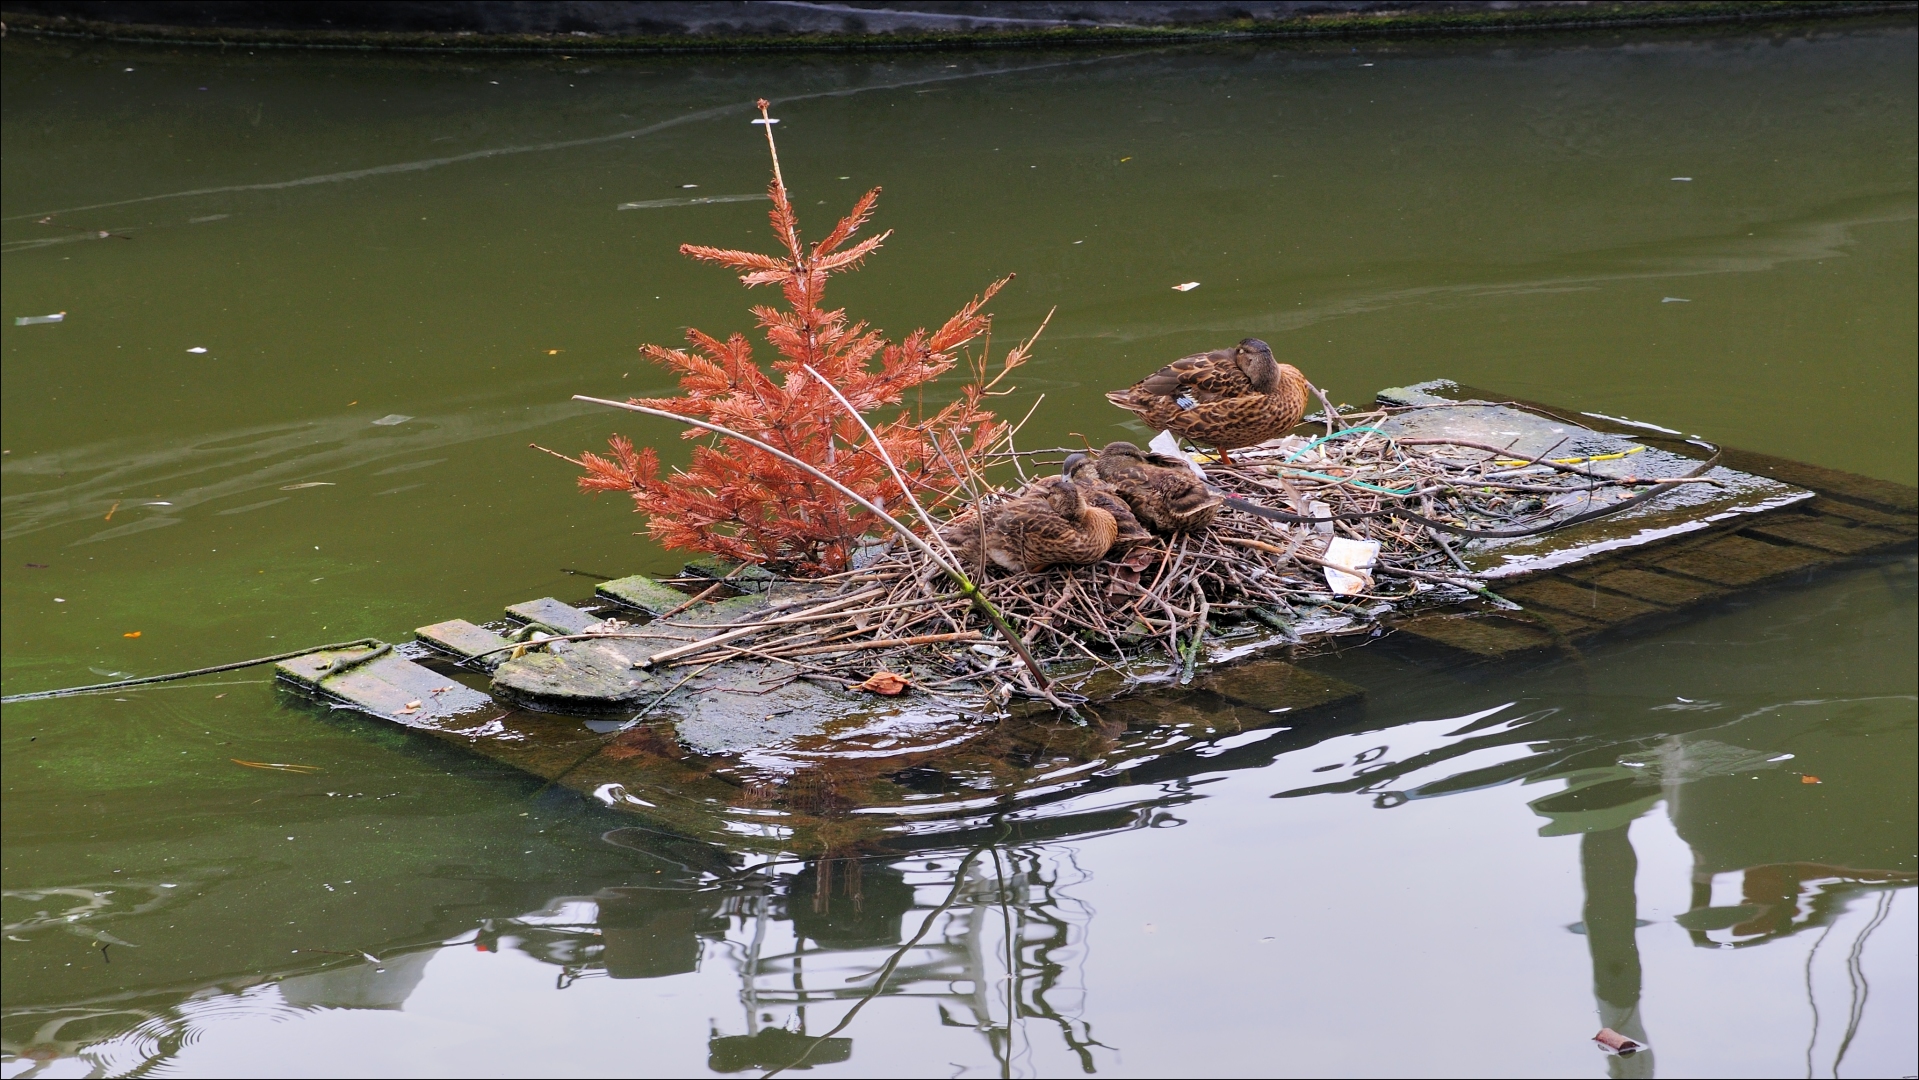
(747, 750)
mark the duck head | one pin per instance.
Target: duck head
(1255, 358)
(1123, 451)
(1074, 463)
(1062, 497)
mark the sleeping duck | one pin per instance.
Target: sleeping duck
(1225, 399)
(1083, 471)
(1163, 493)
(1049, 523)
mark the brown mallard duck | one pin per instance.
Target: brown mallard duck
(1083, 472)
(1225, 399)
(1050, 523)
(1164, 493)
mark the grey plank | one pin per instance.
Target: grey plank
(387, 686)
(465, 640)
(553, 613)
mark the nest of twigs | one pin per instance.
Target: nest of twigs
(902, 612)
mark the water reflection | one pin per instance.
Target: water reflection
(994, 937)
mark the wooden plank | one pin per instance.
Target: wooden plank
(1904, 524)
(1483, 637)
(387, 686)
(1738, 561)
(1656, 588)
(1828, 534)
(1275, 687)
(1559, 623)
(460, 638)
(553, 613)
(751, 579)
(642, 592)
(1587, 601)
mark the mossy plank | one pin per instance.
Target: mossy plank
(642, 592)
(1485, 637)
(1656, 588)
(464, 640)
(1906, 524)
(1827, 534)
(1560, 624)
(551, 612)
(1849, 486)
(1276, 686)
(745, 579)
(1587, 602)
(386, 686)
(1738, 561)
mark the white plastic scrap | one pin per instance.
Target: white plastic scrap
(1357, 556)
(1164, 443)
(1186, 286)
(36, 320)
(392, 419)
(1321, 510)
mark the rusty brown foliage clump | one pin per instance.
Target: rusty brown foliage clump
(744, 504)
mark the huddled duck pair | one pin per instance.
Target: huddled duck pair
(1099, 505)
(1109, 503)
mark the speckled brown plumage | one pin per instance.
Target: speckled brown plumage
(1225, 399)
(1083, 472)
(1163, 493)
(1050, 523)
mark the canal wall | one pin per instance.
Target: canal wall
(579, 27)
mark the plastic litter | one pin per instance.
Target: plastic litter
(1186, 286)
(198, 349)
(1164, 443)
(36, 320)
(1356, 556)
(392, 420)
(1615, 1043)
(1319, 510)
(1674, 300)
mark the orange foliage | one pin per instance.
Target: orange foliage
(739, 502)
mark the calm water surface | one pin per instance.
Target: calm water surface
(1467, 875)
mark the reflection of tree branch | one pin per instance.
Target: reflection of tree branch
(1050, 971)
(886, 969)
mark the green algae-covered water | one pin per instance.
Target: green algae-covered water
(317, 305)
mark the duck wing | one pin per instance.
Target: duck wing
(1201, 377)
(1128, 531)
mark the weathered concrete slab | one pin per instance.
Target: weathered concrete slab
(1684, 509)
(387, 686)
(574, 677)
(463, 640)
(550, 612)
(642, 593)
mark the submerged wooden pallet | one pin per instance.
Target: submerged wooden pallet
(802, 765)
(1848, 517)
